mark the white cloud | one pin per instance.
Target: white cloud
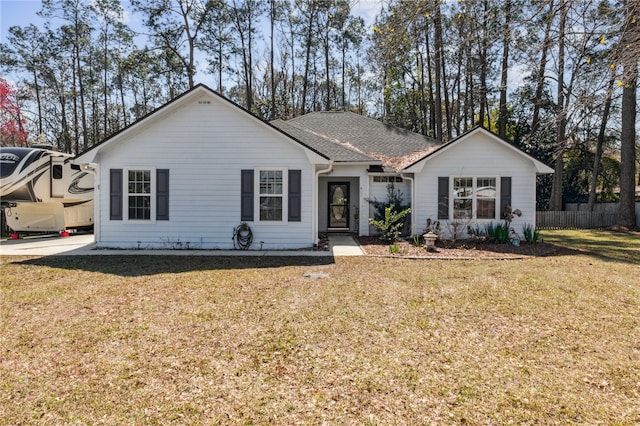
(367, 10)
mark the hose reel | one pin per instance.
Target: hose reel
(242, 236)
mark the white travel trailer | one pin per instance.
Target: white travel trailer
(41, 191)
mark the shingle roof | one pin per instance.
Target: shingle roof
(346, 136)
(335, 151)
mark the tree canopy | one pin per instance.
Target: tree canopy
(555, 77)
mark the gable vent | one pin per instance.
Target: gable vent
(204, 102)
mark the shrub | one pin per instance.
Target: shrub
(498, 233)
(391, 224)
(394, 199)
(531, 235)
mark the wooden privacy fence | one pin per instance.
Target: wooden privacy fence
(574, 220)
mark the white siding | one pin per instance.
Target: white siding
(477, 156)
(205, 145)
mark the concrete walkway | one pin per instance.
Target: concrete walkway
(83, 245)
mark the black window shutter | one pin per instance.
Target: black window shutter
(162, 194)
(505, 195)
(443, 197)
(115, 194)
(246, 196)
(295, 195)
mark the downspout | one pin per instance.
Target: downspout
(315, 202)
(413, 200)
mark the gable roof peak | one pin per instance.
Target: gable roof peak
(199, 88)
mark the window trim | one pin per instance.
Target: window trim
(380, 178)
(474, 197)
(152, 194)
(284, 196)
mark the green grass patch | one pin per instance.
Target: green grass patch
(157, 340)
(607, 245)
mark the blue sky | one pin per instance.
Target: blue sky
(17, 12)
(24, 12)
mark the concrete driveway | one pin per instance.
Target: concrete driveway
(47, 245)
(339, 245)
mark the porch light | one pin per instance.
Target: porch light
(88, 167)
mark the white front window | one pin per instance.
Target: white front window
(486, 198)
(387, 179)
(271, 195)
(139, 194)
(474, 197)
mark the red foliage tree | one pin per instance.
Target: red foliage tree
(12, 131)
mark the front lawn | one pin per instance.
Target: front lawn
(171, 340)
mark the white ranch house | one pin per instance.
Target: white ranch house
(192, 171)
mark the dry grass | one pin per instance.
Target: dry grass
(170, 340)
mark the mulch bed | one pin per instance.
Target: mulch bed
(372, 246)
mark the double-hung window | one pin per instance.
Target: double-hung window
(486, 198)
(462, 198)
(139, 194)
(474, 197)
(271, 195)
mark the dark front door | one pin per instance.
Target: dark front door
(339, 205)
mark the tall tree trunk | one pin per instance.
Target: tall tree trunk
(502, 124)
(246, 46)
(38, 101)
(190, 65)
(626, 211)
(124, 107)
(272, 19)
(432, 109)
(447, 106)
(83, 109)
(344, 86)
(307, 63)
(537, 101)
(458, 96)
(105, 91)
(326, 70)
(555, 203)
(359, 86)
(76, 124)
(293, 76)
(423, 104)
(469, 101)
(220, 47)
(437, 21)
(250, 67)
(484, 65)
(599, 143)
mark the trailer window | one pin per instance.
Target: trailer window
(56, 171)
